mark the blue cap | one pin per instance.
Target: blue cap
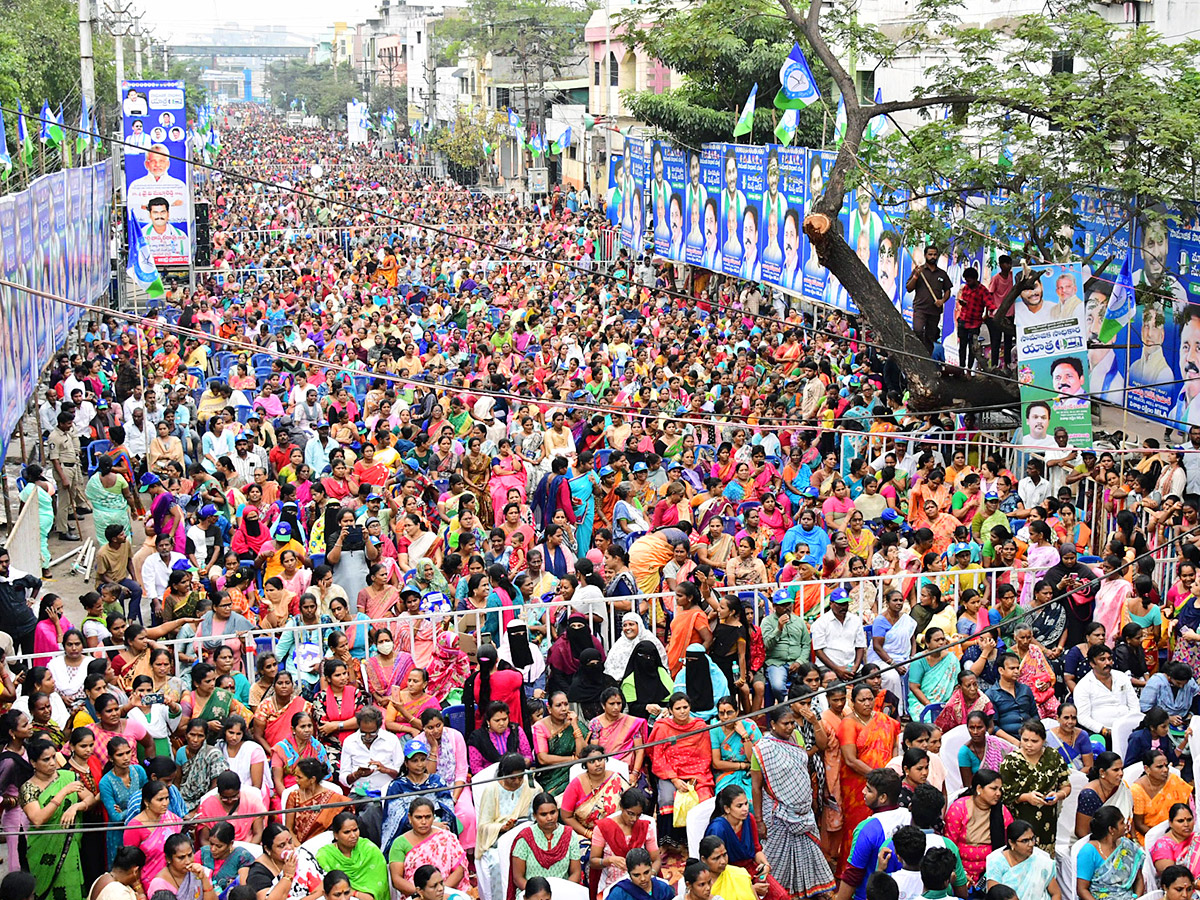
(991, 495)
(781, 596)
(959, 547)
(839, 596)
(374, 496)
(673, 465)
(413, 747)
(412, 463)
(890, 515)
(811, 492)
(609, 470)
(146, 481)
(284, 530)
(637, 467)
(207, 511)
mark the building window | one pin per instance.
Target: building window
(1062, 62)
(866, 85)
(614, 71)
(418, 37)
(596, 73)
(502, 98)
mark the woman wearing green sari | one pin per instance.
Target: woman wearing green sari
(1109, 866)
(199, 764)
(932, 678)
(108, 493)
(52, 799)
(360, 859)
(210, 704)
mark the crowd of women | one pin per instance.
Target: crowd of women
(434, 559)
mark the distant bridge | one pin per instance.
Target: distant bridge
(207, 51)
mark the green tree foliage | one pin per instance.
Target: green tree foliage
(722, 48)
(537, 31)
(323, 91)
(464, 148)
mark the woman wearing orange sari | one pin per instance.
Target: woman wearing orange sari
(690, 626)
(868, 741)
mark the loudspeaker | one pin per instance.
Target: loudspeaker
(203, 236)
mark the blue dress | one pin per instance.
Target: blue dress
(583, 493)
(116, 798)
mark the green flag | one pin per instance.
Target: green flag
(786, 129)
(746, 121)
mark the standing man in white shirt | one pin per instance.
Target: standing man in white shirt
(1104, 695)
(838, 639)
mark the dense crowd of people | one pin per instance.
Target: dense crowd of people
(434, 562)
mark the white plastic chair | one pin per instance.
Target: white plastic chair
(317, 841)
(1122, 729)
(615, 764)
(952, 741)
(697, 822)
(288, 791)
(1067, 865)
(1065, 836)
(1148, 871)
(484, 775)
(1153, 895)
(504, 849)
(1133, 772)
(561, 889)
(254, 850)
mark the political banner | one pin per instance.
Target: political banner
(785, 171)
(633, 224)
(157, 186)
(77, 223)
(817, 283)
(1052, 358)
(615, 199)
(39, 251)
(744, 171)
(56, 255)
(28, 306)
(668, 179)
(12, 343)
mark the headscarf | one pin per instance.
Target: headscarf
(597, 560)
(648, 671)
(622, 648)
(699, 678)
(515, 648)
(449, 667)
(427, 577)
(590, 681)
(569, 646)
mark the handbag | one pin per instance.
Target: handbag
(685, 802)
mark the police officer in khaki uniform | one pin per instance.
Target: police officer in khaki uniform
(64, 456)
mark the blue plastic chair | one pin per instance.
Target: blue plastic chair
(259, 358)
(929, 713)
(456, 717)
(243, 413)
(94, 451)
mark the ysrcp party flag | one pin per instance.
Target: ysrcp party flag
(797, 87)
(745, 123)
(1119, 311)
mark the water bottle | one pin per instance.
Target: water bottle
(736, 670)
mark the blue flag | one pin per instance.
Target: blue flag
(6, 163)
(1119, 311)
(513, 119)
(797, 87)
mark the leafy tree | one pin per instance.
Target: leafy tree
(722, 48)
(323, 90)
(998, 123)
(464, 147)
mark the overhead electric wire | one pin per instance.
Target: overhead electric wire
(848, 685)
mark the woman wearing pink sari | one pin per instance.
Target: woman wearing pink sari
(449, 667)
(1039, 558)
(1110, 599)
(507, 472)
(1035, 671)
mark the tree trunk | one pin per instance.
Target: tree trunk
(930, 386)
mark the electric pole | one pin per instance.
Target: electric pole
(87, 62)
(137, 46)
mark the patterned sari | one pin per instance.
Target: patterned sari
(957, 709)
(1040, 677)
(1114, 877)
(618, 737)
(440, 849)
(53, 858)
(594, 806)
(793, 845)
(311, 822)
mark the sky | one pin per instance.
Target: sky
(172, 19)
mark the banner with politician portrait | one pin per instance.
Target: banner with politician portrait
(57, 259)
(744, 172)
(818, 284)
(633, 222)
(702, 246)
(157, 187)
(1052, 358)
(668, 180)
(12, 350)
(615, 198)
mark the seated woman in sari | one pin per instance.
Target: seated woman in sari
(558, 740)
(302, 820)
(502, 806)
(1180, 845)
(547, 848)
(1021, 865)
(729, 882)
(199, 764)
(1109, 866)
(966, 699)
(594, 794)
(732, 822)
(499, 735)
(227, 863)
(932, 678)
(732, 747)
(358, 857)
(1035, 671)
(630, 828)
(982, 749)
(618, 732)
(640, 883)
(425, 844)
(415, 781)
(208, 704)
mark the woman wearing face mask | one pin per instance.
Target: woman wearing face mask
(386, 668)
